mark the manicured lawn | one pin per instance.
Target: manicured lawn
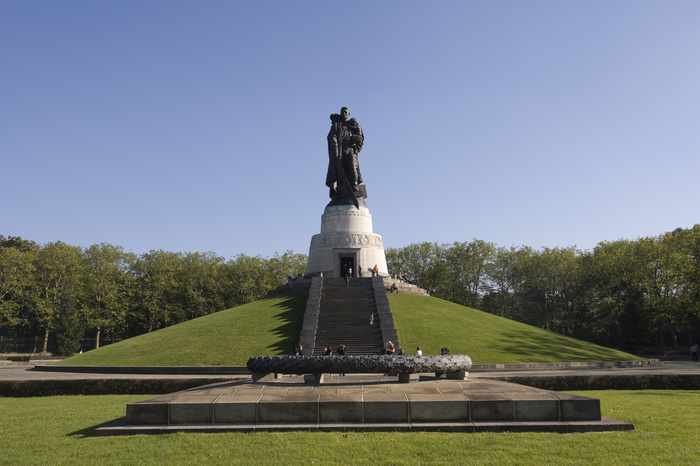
(433, 323)
(57, 430)
(227, 338)
(272, 327)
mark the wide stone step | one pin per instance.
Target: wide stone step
(364, 403)
(347, 336)
(358, 336)
(341, 322)
(344, 317)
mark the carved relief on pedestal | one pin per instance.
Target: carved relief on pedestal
(347, 240)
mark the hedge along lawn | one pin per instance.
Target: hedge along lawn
(227, 338)
(58, 430)
(433, 323)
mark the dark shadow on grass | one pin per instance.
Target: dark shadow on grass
(291, 314)
(90, 431)
(547, 346)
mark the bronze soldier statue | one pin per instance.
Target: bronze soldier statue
(345, 140)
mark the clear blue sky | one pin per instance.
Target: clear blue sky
(201, 126)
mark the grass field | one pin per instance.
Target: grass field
(433, 323)
(58, 430)
(227, 338)
(272, 326)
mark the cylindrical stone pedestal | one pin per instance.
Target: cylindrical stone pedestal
(346, 239)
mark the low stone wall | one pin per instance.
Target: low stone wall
(608, 382)
(298, 284)
(558, 366)
(32, 388)
(394, 285)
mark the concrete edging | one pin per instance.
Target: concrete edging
(556, 366)
(240, 370)
(171, 370)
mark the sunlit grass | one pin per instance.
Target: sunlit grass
(433, 324)
(58, 430)
(272, 327)
(227, 338)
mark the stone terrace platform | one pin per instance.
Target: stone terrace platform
(365, 402)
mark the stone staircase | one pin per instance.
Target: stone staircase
(343, 317)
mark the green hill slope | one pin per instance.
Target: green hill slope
(272, 326)
(227, 338)
(432, 324)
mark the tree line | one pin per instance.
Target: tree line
(59, 293)
(623, 293)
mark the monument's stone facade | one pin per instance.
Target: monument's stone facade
(346, 239)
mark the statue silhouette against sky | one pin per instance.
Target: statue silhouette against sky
(345, 140)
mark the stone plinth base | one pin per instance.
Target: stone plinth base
(364, 402)
(346, 236)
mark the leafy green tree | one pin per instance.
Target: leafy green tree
(201, 280)
(246, 279)
(467, 264)
(16, 268)
(57, 269)
(249, 278)
(16, 242)
(157, 289)
(681, 261)
(559, 278)
(70, 328)
(105, 288)
(423, 263)
(279, 268)
(614, 274)
(502, 282)
(689, 269)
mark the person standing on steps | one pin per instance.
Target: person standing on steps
(341, 352)
(329, 352)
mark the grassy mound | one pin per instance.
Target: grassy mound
(227, 338)
(272, 326)
(432, 324)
